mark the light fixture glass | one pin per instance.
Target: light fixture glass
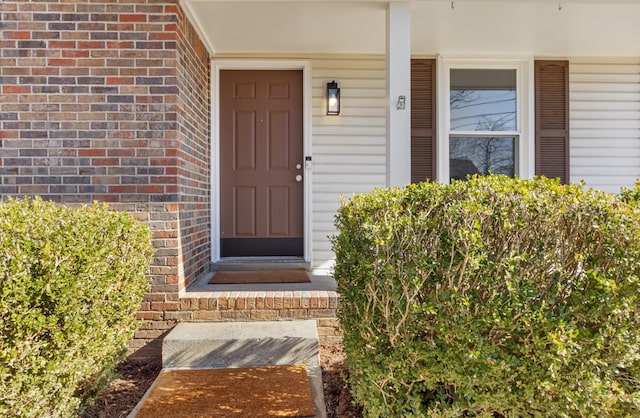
(333, 98)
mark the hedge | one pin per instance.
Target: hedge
(492, 297)
(71, 281)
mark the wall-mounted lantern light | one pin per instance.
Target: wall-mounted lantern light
(333, 98)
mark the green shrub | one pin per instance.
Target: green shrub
(631, 196)
(493, 297)
(70, 284)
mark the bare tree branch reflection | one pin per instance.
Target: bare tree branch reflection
(482, 111)
(485, 154)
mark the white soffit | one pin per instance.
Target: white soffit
(532, 27)
(543, 27)
(290, 27)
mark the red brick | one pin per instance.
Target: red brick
(105, 161)
(8, 134)
(164, 161)
(91, 62)
(165, 234)
(162, 36)
(147, 99)
(120, 45)
(7, 44)
(62, 44)
(150, 189)
(120, 27)
(17, 35)
(90, 44)
(124, 134)
(119, 80)
(133, 18)
(149, 27)
(75, 53)
(59, 62)
(165, 306)
(171, 9)
(45, 71)
(6, 89)
(120, 152)
(163, 179)
(122, 189)
(91, 152)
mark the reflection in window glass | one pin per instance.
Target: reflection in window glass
(483, 100)
(481, 155)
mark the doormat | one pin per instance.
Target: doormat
(261, 276)
(269, 391)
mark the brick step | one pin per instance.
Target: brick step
(259, 305)
(206, 303)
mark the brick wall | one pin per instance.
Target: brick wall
(194, 152)
(108, 100)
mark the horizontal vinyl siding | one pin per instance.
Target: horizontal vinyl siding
(605, 122)
(348, 150)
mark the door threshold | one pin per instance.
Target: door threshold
(260, 263)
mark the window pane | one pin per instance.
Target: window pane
(483, 100)
(481, 156)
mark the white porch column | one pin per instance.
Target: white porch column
(398, 86)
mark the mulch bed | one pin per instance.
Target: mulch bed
(123, 394)
(337, 397)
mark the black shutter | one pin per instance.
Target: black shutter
(552, 119)
(423, 117)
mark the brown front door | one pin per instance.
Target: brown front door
(261, 164)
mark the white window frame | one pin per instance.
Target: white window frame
(525, 148)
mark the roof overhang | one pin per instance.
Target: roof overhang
(535, 27)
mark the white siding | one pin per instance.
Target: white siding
(348, 150)
(605, 122)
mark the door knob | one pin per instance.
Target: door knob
(298, 178)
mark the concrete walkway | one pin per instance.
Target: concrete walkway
(216, 345)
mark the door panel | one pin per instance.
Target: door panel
(278, 141)
(245, 221)
(260, 151)
(278, 204)
(244, 146)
